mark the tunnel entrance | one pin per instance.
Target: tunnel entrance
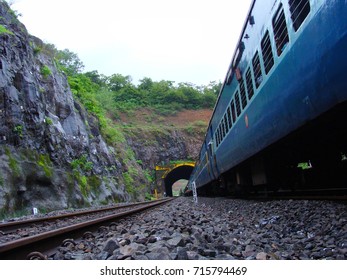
(178, 173)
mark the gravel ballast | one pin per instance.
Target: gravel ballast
(223, 229)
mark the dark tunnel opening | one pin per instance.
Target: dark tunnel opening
(181, 172)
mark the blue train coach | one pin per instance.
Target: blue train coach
(280, 121)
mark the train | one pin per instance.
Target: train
(280, 119)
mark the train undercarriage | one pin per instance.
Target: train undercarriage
(312, 158)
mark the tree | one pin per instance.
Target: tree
(213, 87)
(145, 84)
(208, 100)
(96, 78)
(159, 92)
(69, 61)
(117, 81)
(192, 95)
(175, 96)
(130, 95)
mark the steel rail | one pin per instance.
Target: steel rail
(21, 248)
(8, 226)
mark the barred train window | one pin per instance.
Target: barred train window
(299, 10)
(237, 102)
(219, 136)
(249, 84)
(233, 113)
(267, 52)
(229, 118)
(280, 30)
(226, 124)
(243, 94)
(223, 129)
(258, 76)
(221, 132)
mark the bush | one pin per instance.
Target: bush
(82, 164)
(45, 71)
(4, 30)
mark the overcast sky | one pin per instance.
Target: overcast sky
(177, 40)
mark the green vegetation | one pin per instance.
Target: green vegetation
(45, 162)
(82, 181)
(5, 214)
(1, 180)
(305, 165)
(117, 92)
(37, 50)
(108, 98)
(45, 71)
(48, 121)
(4, 30)
(86, 183)
(13, 164)
(82, 164)
(196, 127)
(18, 129)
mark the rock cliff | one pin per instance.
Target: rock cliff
(52, 154)
(156, 147)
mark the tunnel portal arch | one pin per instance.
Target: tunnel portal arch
(182, 171)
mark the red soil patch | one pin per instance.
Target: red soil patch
(190, 116)
(145, 116)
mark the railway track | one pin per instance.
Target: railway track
(34, 238)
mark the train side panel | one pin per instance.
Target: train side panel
(301, 67)
(306, 82)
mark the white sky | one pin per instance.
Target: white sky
(177, 40)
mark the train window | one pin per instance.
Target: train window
(216, 137)
(280, 30)
(257, 70)
(267, 52)
(220, 132)
(243, 94)
(233, 113)
(229, 118)
(249, 84)
(223, 129)
(237, 103)
(238, 54)
(299, 10)
(226, 123)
